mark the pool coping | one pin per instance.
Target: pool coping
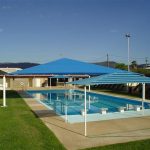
(98, 116)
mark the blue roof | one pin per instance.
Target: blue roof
(67, 66)
(114, 78)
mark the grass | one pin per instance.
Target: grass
(21, 130)
(136, 145)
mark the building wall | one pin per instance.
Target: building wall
(25, 83)
(30, 80)
(33, 82)
(18, 83)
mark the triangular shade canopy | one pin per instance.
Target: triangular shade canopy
(67, 66)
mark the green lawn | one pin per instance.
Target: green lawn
(21, 130)
(137, 145)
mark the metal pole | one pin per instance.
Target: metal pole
(107, 60)
(128, 38)
(85, 124)
(146, 61)
(66, 117)
(4, 91)
(74, 97)
(128, 54)
(143, 96)
(89, 101)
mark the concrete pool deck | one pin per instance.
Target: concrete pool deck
(99, 133)
(108, 116)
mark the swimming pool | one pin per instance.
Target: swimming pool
(73, 102)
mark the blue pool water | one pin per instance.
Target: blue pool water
(73, 101)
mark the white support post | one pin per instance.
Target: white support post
(89, 101)
(66, 116)
(143, 96)
(89, 86)
(74, 96)
(74, 87)
(85, 113)
(4, 91)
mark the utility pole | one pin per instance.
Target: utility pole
(146, 61)
(128, 38)
(107, 60)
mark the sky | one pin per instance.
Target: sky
(44, 30)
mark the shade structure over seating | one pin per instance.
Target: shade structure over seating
(66, 66)
(114, 78)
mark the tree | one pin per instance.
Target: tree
(134, 64)
(121, 66)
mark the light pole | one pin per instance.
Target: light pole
(128, 38)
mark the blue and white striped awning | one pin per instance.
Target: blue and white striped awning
(114, 78)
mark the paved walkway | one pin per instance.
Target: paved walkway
(99, 133)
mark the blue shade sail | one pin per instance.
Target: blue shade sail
(67, 66)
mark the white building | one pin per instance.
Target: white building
(9, 70)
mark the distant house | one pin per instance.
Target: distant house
(144, 66)
(9, 70)
(148, 67)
